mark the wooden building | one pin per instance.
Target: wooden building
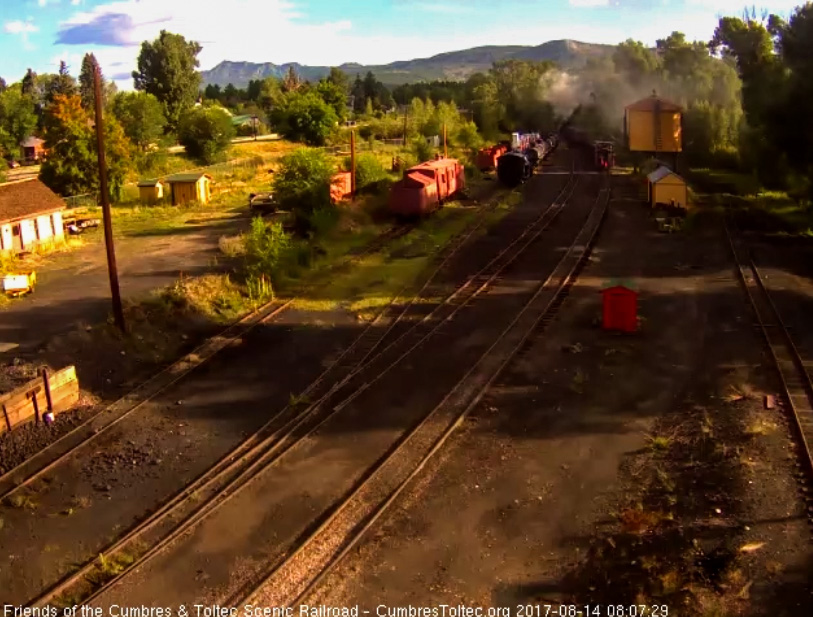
(186, 188)
(654, 125)
(150, 191)
(32, 149)
(30, 214)
(665, 187)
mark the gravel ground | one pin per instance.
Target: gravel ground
(238, 543)
(611, 469)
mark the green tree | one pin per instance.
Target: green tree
(141, 117)
(302, 182)
(3, 85)
(62, 84)
(334, 96)
(167, 69)
(304, 117)
(86, 88)
(339, 78)
(205, 132)
(213, 92)
(17, 119)
(636, 62)
(72, 164)
(29, 84)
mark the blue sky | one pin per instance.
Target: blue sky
(38, 33)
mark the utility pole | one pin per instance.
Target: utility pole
(118, 313)
(406, 114)
(445, 151)
(352, 162)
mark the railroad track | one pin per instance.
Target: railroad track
(57, 452)
(203, 498)
(267, 444)
(795, 378)
(295, 576)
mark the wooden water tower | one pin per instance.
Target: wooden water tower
(654, 126)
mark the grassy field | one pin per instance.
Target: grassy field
(772, 212)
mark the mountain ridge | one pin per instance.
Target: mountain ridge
(452, 65)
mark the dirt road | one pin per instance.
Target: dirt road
(73, 289)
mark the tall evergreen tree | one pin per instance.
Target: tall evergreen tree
(89, 65)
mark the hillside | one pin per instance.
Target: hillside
(455, 65)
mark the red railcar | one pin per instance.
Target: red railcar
(487, 157)
(426, 186)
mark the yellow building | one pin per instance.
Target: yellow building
(190, 187)
(664, 187)
(150, 191)
(654, 124)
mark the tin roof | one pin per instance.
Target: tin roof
(193, 177)
(27, 198)
(412, 178)
(32, 142)
(660, 173)
(149, 183)
(649, 103)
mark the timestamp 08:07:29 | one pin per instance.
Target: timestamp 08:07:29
(592, 610)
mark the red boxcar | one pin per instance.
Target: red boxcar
(448, 173)
(414, 195)
(426, 186)
(487, 157)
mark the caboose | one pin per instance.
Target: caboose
(604, 155)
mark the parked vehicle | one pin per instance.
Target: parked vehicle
(262, 202)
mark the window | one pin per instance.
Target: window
(15, 230)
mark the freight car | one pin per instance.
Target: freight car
(487, 157)
(513, 168)
(426, 186)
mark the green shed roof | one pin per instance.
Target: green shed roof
(194, 177)
(149, 183)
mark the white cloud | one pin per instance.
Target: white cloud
(274, 31)
(20, 27)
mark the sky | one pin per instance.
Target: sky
(40, 33)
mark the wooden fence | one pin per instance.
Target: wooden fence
(30, 402)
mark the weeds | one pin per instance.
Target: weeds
(298, 400)
(760, 427)
(659, 443)
(21, 502)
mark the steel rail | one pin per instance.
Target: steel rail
(458, 404)
(265, 454)
(257, 444)
(790, 366)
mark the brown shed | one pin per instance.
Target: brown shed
(150, 191)
(190, 187)
(32, 149)
(665, 187)
(30, 214)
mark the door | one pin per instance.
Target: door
(16, 240)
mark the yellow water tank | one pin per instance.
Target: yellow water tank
(654, 124)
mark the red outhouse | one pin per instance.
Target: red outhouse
(620, 309)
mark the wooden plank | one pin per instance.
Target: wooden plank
(19, 404)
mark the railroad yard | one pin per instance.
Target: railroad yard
(481, 442)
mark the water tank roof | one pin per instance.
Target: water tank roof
(650, 102)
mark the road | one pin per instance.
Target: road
(236, 140)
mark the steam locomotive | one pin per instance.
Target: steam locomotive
(516, 166)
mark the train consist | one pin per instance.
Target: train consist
(425, 187)
(516, 166)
